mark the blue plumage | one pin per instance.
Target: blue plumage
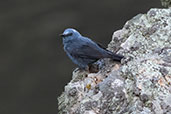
(83, 51)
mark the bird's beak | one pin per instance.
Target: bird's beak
(61, 35)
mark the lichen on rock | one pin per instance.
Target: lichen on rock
(166, 3)
(141, 84)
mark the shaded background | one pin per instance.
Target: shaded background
(34, 68)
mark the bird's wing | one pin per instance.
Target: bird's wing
(88, 50)
(100, 45)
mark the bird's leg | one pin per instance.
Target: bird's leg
(93, 68)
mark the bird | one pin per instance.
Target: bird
(83, 51)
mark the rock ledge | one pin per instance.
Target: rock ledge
(140, 85)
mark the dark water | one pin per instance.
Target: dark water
(34, 68)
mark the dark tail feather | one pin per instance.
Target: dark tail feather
(117, 57)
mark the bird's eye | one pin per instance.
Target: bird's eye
(69, 34)
(65, 35)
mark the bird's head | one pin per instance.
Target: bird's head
(70, 33)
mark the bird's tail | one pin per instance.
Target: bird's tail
(116, 57)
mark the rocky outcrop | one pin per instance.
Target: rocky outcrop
(141, 84)
(166, 3)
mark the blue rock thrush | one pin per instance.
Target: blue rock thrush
(83, 51)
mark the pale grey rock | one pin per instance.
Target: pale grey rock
(166, 3)
(141, 84)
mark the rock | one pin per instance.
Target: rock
(141, 84)
(166, 3)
